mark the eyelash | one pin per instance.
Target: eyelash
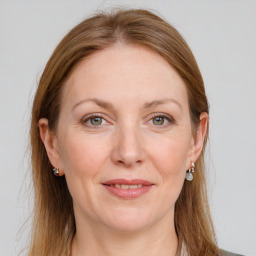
(166, 117)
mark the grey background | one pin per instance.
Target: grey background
(222, 35)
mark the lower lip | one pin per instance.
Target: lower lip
(128, 193)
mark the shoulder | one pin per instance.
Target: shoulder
(225, 253)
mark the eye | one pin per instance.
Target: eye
(94, 120)
(162, 120)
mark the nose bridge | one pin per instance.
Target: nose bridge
(128, 149)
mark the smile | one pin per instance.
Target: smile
(125, 186)
(128, 189)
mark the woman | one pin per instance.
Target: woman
(119, 127)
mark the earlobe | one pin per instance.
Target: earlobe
(50, 142)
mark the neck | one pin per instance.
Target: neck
(158, 239)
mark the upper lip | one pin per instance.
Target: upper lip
(128, 182)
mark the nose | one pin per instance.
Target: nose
(128, 150)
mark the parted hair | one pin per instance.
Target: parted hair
(53, 222)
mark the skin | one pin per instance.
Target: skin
(127, 142)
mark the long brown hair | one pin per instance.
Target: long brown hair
(54, 223)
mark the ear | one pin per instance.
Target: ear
(50, 143)
(197, 142)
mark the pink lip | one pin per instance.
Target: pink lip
(128, 182)
(128, 193)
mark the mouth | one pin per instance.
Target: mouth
(128, 189)
(125, 186)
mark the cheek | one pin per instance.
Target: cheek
(82, 155)
(171, 157)
(82, 158)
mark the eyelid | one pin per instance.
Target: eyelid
(170, 119)
(91, 116)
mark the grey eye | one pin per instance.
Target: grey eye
(158, 120)
(162, 121)
(96, 121)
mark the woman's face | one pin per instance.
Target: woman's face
(124, 138)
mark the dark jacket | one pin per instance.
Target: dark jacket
(225, 253)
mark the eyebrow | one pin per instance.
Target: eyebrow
(109, 106)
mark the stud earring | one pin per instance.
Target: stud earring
(189, 173)
(56, 171)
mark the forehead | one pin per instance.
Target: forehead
(125, 72)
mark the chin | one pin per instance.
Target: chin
(128, 226)
(129, 220)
